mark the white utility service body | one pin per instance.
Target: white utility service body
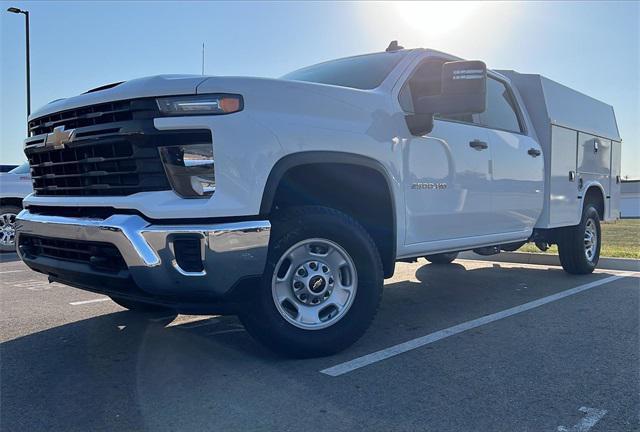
(580, 139)
(483, 179)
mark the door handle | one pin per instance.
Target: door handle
(478, 145)
(534, 152)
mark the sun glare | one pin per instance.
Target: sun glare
(436, 18)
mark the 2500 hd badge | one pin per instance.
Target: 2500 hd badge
(429, 186)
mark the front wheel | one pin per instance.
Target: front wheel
(579, 246)
(321, 287)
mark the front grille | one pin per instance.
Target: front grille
(114, 150)
(116, 166)
(100, 256)
(86, 116)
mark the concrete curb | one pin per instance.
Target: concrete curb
(624, 264)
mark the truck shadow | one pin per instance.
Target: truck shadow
(122, 371)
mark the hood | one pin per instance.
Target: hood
(266, 90)
(159, 85)
(267, 93)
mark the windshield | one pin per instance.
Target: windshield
(21, 169)
(363, 72)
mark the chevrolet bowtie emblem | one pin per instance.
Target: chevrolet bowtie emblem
(59, 137)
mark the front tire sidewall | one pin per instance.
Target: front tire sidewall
(265, 322)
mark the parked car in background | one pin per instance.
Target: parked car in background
(14, 186)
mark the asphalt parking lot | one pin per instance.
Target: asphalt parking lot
(473, 346)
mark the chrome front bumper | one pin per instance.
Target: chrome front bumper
(230, 251)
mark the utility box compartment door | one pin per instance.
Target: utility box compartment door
(594, 154)
(563, 187)
(594, 160)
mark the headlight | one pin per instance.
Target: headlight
(190, 169)
(201, 104)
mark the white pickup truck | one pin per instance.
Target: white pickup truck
(14, 186)
(288, 201)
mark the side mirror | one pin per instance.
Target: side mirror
(463, 90)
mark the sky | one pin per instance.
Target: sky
(593, 47)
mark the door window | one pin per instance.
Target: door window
(501, 110)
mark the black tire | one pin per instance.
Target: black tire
(442, 258)
(572, 245)
(9, 213)
(290, 227)
(136, 306)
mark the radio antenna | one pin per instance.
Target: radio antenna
(202, 58)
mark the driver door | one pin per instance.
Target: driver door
(447, 179)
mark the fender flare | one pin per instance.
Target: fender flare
(312, 157)
(583, 195)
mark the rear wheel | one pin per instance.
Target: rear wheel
(321, 287)
(7, 228)
(579, 246)
(443, 258)
(136, 306)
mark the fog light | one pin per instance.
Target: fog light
(188, 254)
(190, 169)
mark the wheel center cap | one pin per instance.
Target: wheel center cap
(317, 284)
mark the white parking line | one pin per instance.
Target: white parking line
(593, 416)
(386, 353)
(26, 283)
(78, 303)
(12, 271)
